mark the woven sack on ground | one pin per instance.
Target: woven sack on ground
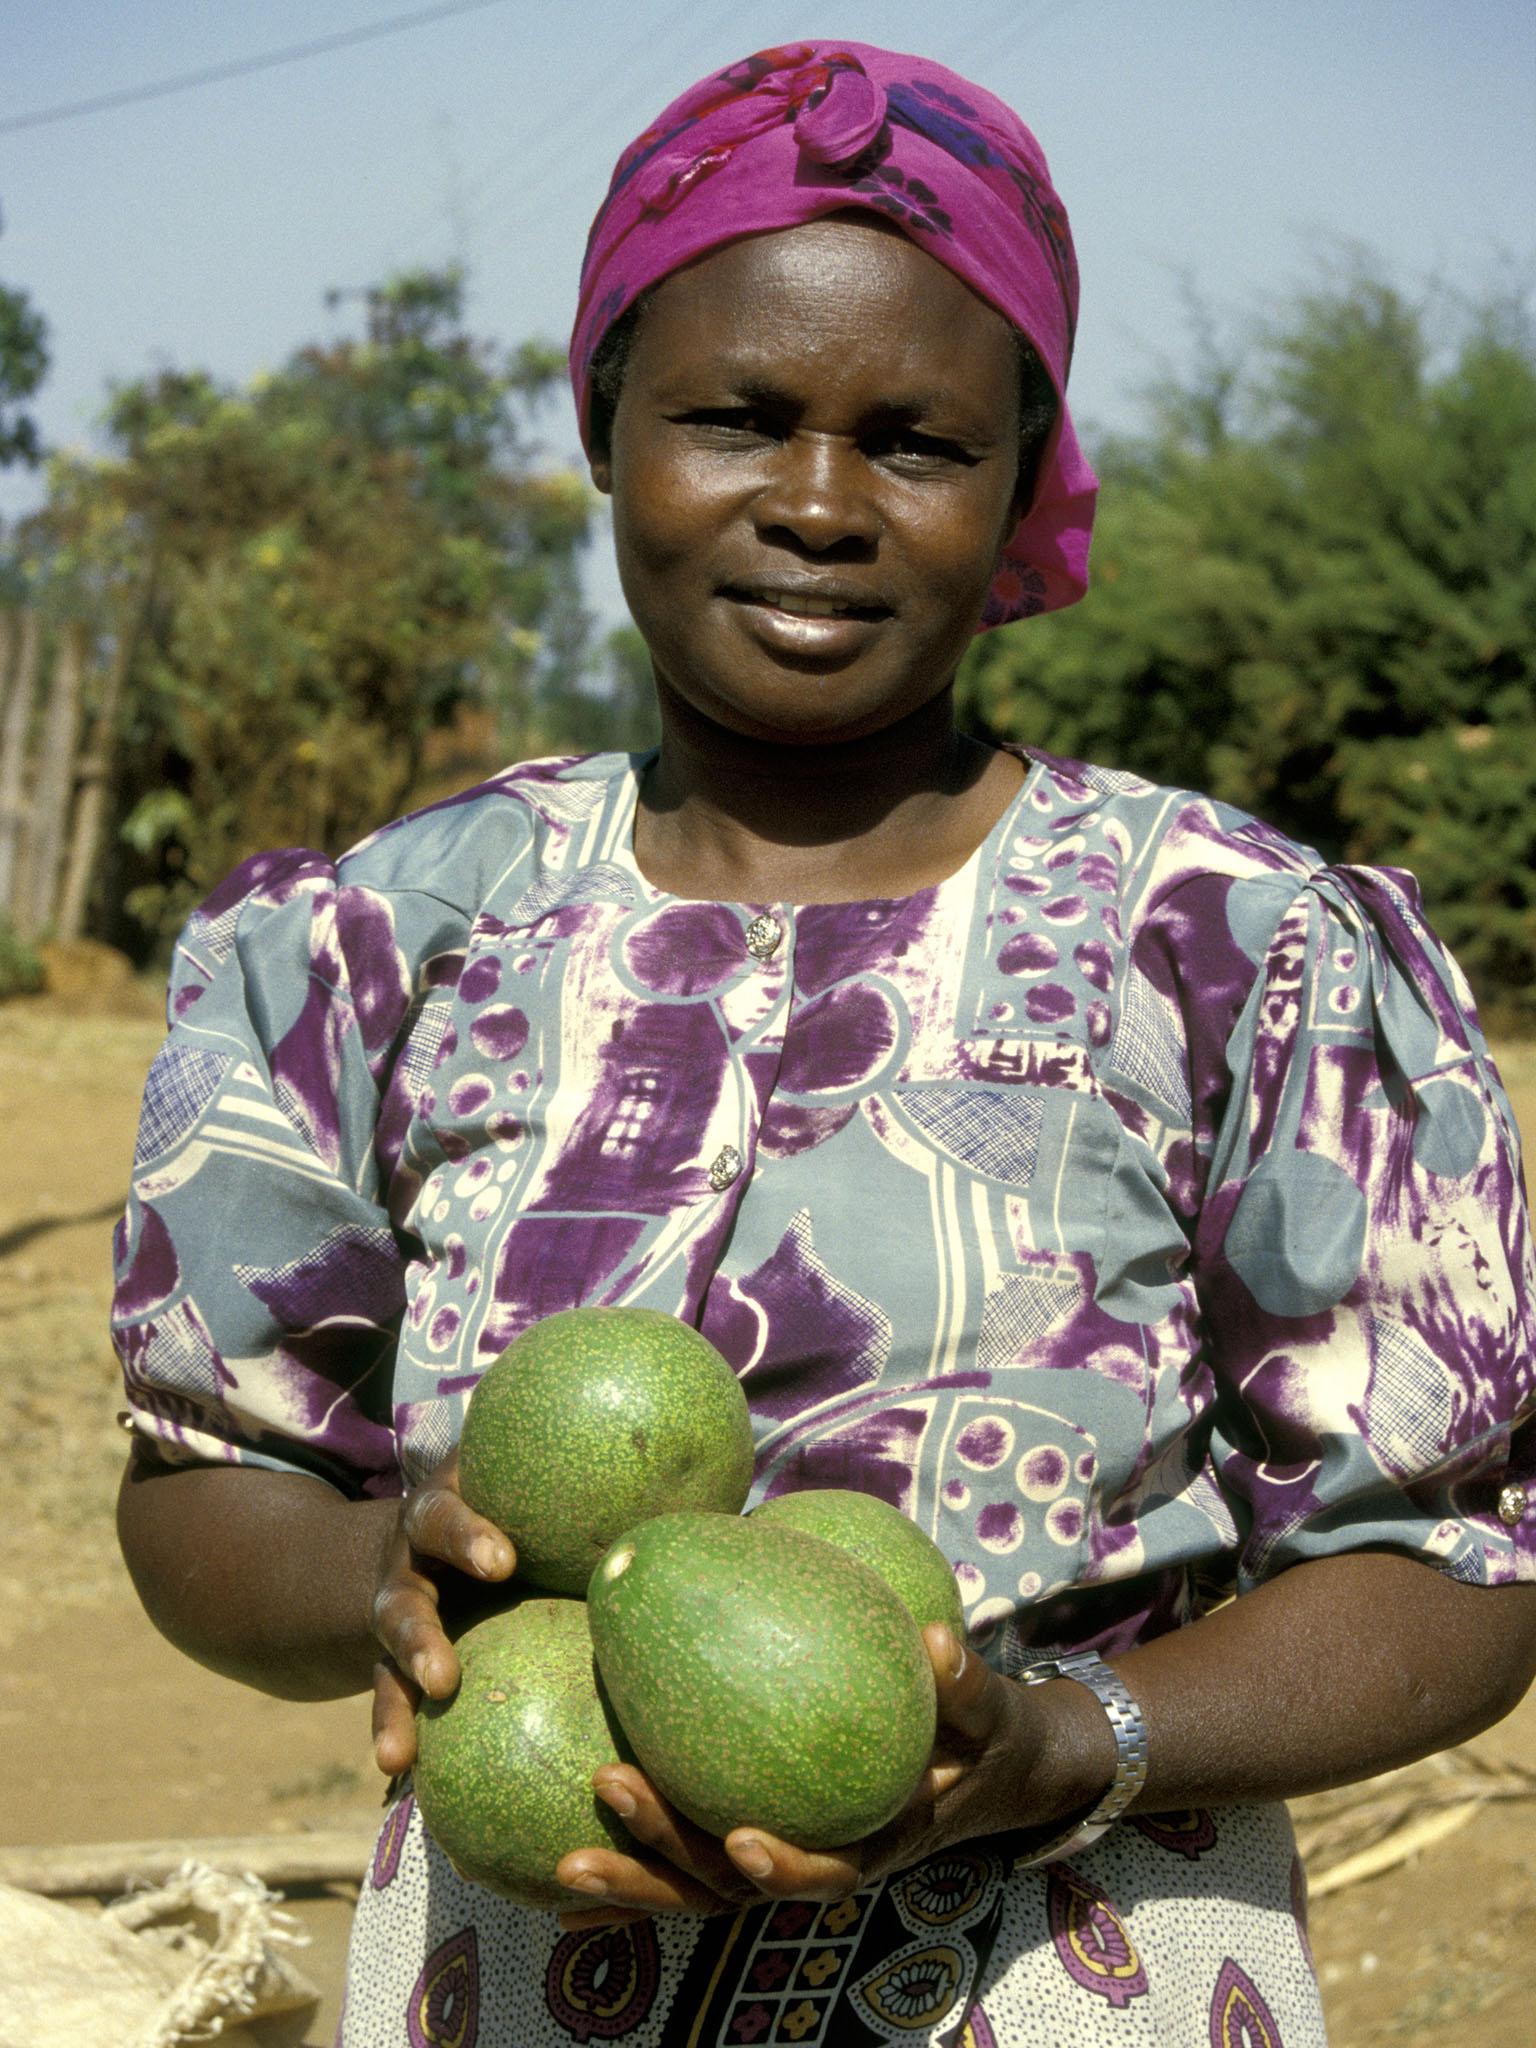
(183, 1962)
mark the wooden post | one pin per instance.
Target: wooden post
(10, 676)
(64, 1870)
(55, 785)
(13, 757)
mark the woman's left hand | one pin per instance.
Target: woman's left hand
(988, 1737)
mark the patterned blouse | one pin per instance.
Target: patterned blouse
(1138, 1209)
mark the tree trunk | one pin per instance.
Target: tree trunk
(13, 757)
(93, 777)
(55, 785)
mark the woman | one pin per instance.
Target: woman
(1080, 1165)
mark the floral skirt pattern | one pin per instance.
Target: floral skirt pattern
(1183, 1931)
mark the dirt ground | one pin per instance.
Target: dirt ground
(110, 1735)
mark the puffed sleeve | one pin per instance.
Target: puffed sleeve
(259, 1281)
(1364, 1248)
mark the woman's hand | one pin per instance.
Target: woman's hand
(435, 1528)
(978, 1781)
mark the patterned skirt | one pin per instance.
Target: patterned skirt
(1183, 1931)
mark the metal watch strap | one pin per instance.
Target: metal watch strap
(1130, 1732)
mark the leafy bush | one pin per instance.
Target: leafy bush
(21, 972)
(1315, 597)
(308, 578)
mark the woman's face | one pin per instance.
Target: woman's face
(813, 467)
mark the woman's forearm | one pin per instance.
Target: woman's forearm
(1336, 1670)
(267, 1577)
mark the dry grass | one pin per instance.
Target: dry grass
(1357, 1832)
(69, 1088)
(1517, 1065)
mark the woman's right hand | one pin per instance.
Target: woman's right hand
(438, 1541)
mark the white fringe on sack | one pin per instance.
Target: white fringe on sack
(163, 1967)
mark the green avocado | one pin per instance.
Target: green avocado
(762, 1677)
(592, 1420)
(880, 1536)
(504, 1769)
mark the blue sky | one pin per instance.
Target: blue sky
(1230, 143)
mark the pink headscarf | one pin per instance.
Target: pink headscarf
(815, 128)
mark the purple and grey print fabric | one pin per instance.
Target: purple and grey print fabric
(1138, 1209)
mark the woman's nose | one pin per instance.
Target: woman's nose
(819, 496)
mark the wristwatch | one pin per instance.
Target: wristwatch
(1130, 1730)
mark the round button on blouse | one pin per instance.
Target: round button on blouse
(724, 1168)
(763, 936)
(1513, 1502)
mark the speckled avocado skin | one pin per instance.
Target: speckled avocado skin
(504, 1769)
(880, 1536)
(763, 1677)
(594, 1419)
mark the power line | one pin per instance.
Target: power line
(631, 92)
(241, 67)
(533, 148)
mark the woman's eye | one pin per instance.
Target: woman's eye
(911, 450)
(731, 421)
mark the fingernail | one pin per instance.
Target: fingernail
(956, 1656)
(753, 1858)
(620, 1800)
(420, 1667)
(588, 1882)
(486, 1555)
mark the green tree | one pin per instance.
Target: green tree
(619, 699)
(314, 573)
(23, 366)
(1315, 596)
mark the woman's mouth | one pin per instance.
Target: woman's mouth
(828, 624)
(801, 606)
(823, 600)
